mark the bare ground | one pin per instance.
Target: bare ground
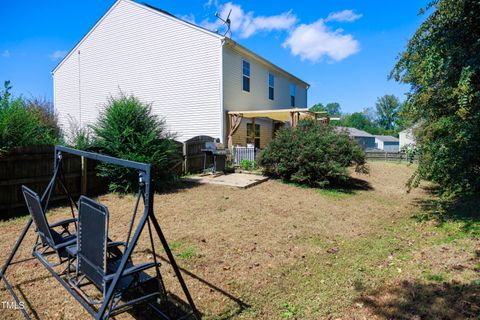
(282, 251)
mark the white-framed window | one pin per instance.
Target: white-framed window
(292, 95)
(246, 75)
(253, 137)
(271, 86)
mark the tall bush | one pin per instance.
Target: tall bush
(127, 129)
(442, 65)
(47, 119)
(312, 154)
(25, 123)
(79, 137)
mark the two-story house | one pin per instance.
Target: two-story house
(192, 77)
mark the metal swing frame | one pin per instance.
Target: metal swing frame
(148, 217)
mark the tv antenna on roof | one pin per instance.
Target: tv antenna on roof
(226, 21)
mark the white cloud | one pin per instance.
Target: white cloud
(343, 16)
(314, 41)
(5, 54)
(57, 55)
(209, 3)
(245, 24)
(188, 17)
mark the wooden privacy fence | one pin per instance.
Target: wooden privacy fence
(33, 166)
(193, 155)
(388, 156)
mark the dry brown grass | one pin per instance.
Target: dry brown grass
(262, 252)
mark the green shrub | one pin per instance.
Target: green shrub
(442, 66)
(248, 164)
(126, 129)
(312, 154)
(47, 119)
(25, 123)
(79, 137)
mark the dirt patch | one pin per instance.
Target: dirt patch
(240, 249)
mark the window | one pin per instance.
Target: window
(277, 126)
(292, 95)
(271, 85)
(246, 76)
(253, 137)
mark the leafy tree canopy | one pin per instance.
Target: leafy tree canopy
(442, 65)
(333, 108)
(25, 122)
(317, 107)
(127, 129)
(312, 154)
(387, 111)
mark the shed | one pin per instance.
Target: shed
(387, 143)
(364, 139)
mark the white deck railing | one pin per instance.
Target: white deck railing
(244, 153)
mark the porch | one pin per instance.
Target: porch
(251, 131)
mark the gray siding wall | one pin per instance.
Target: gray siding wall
(235, 99)
(366, 142)
(391, 146)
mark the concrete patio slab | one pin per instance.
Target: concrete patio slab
(239, 180)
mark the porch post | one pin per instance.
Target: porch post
(294, 117)
(252, 133)
(234, 123)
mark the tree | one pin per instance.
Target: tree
(442, 65)
(312, 154)
(333, 109)
(5, 96)
(318, 107)
(127, 129)
(387, 111)
(22, 123)
(356, 120)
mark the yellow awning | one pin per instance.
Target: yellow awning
(278, 114)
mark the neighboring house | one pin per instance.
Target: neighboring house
(407, 137)
(387, 143)
(364, 139)
(191, 76)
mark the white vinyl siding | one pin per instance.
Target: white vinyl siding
(235, 99)
(407, 137)
(66, 98)
(161, 60)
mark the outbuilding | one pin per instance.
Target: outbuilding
(387, 143)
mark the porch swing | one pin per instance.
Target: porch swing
(91, 258)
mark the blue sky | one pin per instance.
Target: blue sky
(344, 49)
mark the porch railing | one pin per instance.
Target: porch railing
(244, 153)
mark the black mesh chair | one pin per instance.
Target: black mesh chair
(48, 237)
(97, 265)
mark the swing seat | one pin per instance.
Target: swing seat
(95, 264)
(104, 264)
(48, 237)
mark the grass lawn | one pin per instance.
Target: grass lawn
(279, 251)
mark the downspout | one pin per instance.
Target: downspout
(222, 106)
(79, 91)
